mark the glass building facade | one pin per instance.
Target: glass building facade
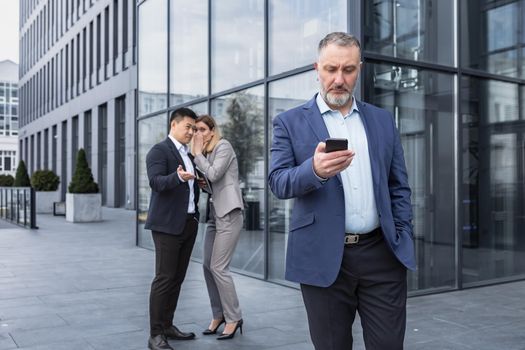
(451, 72)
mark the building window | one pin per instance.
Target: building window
(416, 30)
(188, 50)
(87, 135)
(103, 150)
(153, 57)
(237, 43)
(301, 23)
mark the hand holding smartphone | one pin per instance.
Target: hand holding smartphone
(334, 144)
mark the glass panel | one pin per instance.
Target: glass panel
(151, 131)
(493, 181)
(237, 40)
(303, 24)
(419, 30)
(153, 68)
(200, 108)
(491, 32)
(241, 121)
(284, 94)
(421, 102)
(188, 50)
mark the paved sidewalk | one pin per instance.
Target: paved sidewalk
(86, 287)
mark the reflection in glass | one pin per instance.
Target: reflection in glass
(493, 180)
(421, 103)
(188, 50)
(152, 56)
(237, 41)
(491, 32)
(241, 121)
(303, 24)
(284, 94)
(420, 30)
(150, 131)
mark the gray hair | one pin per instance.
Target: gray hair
(339, 39)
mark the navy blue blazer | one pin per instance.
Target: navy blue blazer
(168, 207)
(317, 226)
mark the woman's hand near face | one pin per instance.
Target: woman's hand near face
(198, 143)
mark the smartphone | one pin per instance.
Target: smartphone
(333, 144)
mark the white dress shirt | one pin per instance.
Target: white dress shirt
(360, 205)
(183, 150)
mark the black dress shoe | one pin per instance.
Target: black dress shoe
(175, 333)
(158, 342)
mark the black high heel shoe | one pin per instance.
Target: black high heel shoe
(213, 331)
(225, 336)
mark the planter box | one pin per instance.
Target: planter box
(44, 201)
(83, 207)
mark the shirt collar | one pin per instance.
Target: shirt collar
(180, 147)
(323, 107)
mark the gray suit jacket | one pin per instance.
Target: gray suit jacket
(221, 169)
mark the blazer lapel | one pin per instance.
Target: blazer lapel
(175, 152)
(315, 120)
(372, 137)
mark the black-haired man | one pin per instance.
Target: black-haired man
(173, 219)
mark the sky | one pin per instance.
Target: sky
(9, 30)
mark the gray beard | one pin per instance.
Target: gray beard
(336, 101)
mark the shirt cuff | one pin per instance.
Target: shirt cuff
(321, 179)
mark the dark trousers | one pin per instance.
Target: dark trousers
(372, 282)
(172, 257)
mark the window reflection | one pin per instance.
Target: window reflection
(491, 31)
(284, 94)
(302, 23)
(188, 50)
(493, 181)
(241, 121)
(151, 131)
(421, 102)
(420, 30)
(152, 56)
(237, 39)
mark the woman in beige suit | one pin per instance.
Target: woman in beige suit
(215, 157)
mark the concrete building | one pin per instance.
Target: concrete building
(8, 117)
(77, 90)
(451, 72)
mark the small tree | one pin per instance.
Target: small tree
(21, 178)
(45, 180)
(82, 181)
(6, 180)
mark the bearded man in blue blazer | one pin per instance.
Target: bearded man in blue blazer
(351, 239)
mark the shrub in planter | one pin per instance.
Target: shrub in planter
(21, 178)
(45, 183)
(83, 201)
(6, 180)
(82, 181)
(45, 180)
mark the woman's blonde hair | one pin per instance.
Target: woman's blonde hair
(210, 122)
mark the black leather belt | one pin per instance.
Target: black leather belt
(354, 238)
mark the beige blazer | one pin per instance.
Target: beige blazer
(221, 169)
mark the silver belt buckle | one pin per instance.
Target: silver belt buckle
(351, 239)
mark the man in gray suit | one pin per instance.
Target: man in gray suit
(173, 219)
